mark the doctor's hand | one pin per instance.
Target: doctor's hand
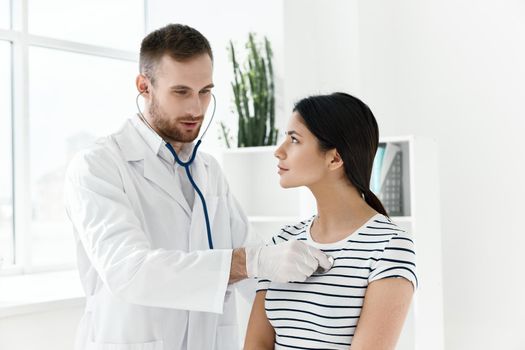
(291, 261)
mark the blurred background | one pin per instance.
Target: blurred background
(445, 80)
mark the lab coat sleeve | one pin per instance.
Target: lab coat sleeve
(116, 245)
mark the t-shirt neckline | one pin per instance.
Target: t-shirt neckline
(336, 244)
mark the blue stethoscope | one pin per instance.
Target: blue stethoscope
(187, 164)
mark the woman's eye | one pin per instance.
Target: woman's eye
(294, 140)
(181, 92)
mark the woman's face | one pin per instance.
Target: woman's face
(301, 162)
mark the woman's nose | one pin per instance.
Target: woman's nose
(279, 153)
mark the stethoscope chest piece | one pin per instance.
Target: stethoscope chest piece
(320, 270)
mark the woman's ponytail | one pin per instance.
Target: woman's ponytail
(372, 200)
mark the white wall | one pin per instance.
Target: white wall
(321, 48)
(323, 55)
(450, 70)
(454, 70)
(50, 330)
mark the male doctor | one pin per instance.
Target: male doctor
(150, 279)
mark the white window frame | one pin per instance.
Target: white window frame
(21, 40)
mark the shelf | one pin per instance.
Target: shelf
(253, 179)
(292, 219)
(274, 218)
(401, 218)
(259, 149)
(391, 176)
(396, 139)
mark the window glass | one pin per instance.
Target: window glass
(112, 23)
(6, 164)
(5, 14)
(74, 99)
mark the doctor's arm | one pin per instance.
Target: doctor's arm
(241, 236)
(384, 312)
(238, 266)
(260, 334)
(116, 245)
(291, 261)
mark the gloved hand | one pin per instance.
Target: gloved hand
(291, 261)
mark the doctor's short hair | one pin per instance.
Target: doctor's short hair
(344, 122)
(180, 42)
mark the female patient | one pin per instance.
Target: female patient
(362, 302)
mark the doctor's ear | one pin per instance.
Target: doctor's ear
(142, 84)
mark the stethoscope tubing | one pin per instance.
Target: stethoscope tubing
(187, 164)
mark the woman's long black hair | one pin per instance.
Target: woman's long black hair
(344, 122)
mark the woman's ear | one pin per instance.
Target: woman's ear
(335, 160)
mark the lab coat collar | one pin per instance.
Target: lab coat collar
(157, 144)
(136, 148)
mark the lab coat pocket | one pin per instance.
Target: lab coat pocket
(153, 345)
(227, 338)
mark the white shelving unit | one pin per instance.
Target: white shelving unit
(252, 175)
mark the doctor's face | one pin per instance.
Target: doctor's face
(301, 162)
(179, 97)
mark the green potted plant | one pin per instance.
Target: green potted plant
(251, 168)
(254, 95)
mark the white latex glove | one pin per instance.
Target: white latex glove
(291, 261)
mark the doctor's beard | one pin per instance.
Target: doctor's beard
(170, 128)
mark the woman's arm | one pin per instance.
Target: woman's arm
(384, 311)
(260, 334)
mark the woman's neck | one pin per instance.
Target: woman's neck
(341, 210)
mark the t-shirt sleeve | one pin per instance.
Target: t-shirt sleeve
(398, 260)
(262, 285)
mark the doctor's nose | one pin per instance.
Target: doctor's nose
(195, 107)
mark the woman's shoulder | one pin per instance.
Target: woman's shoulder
(398, 254)
(381, 231)
(392, 236)
(383, 224)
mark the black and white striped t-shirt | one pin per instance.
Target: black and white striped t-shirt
(322, 312)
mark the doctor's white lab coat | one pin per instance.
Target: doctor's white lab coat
(143, 292)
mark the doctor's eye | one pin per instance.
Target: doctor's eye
(205, 92)
(181, 92)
